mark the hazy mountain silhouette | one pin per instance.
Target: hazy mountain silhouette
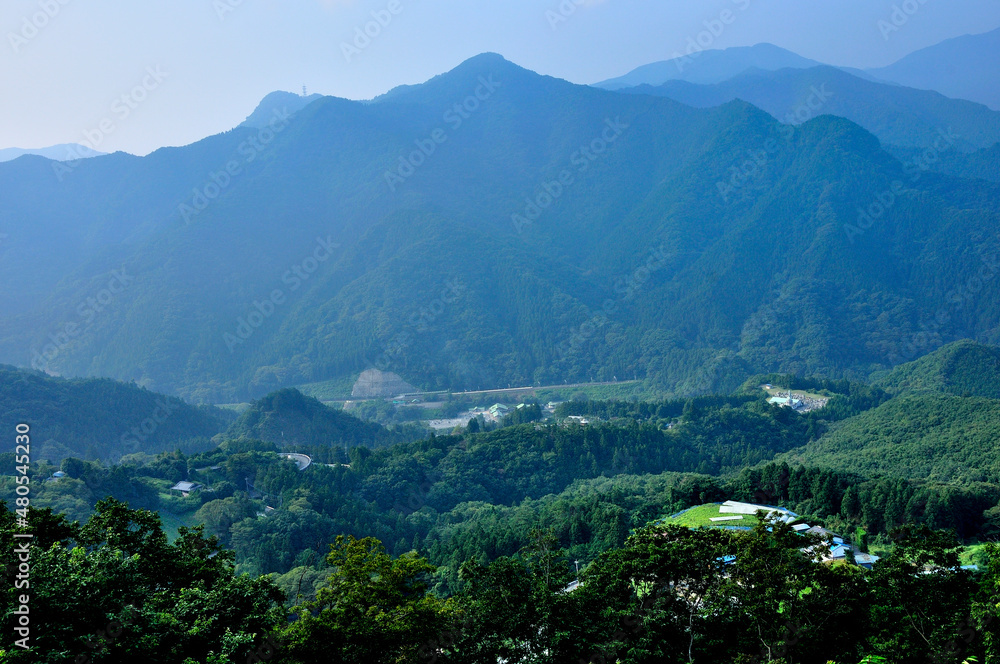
(492, 226)
(963, 68)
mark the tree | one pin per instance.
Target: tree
(373, 609)
(850, 506)
(124, 594)
(517, 609)
(921, 598)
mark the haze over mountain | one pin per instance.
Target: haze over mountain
(897, 115)
(288, 102)
(101, 419)
(982, 164)
(493, 226)
(959, 68)
(61, 152)
(448, 366)
(963, 68)
(710, 66)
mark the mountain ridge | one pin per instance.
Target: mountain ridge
(710, 66)
(962, 67)
(329, 270)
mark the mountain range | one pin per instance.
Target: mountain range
(493, 226)
(897, 115)
(61, 152)
(706, 67)
(960, 68)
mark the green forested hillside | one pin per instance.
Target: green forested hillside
(101, 418)
(474, 518)
(748, 597)
(982, 164)
(925, 436)
(964, 368)
(290, 420)
(660, 252)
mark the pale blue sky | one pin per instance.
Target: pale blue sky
(64, 80)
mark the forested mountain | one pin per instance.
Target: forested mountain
(983, 164)
(291, 420)
(927, 436)
(898, 115)
(277, 103)
(942, 424)
(475, 517)
(749, 596)
(963, 368)
(541, 231)
(101, 419)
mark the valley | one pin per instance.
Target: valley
(466, 360)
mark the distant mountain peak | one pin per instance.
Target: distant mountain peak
(277, 101)
(61, 152)
(463, 76)
(711, 66)
(962, 68)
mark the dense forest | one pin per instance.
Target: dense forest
(102, 418)
(436, 537)
(666, 595)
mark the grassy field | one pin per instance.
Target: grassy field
(701, 517)
(171, 522)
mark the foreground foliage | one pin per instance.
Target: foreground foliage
(113, 590)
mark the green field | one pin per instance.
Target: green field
(701, 517)
(171, 522)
